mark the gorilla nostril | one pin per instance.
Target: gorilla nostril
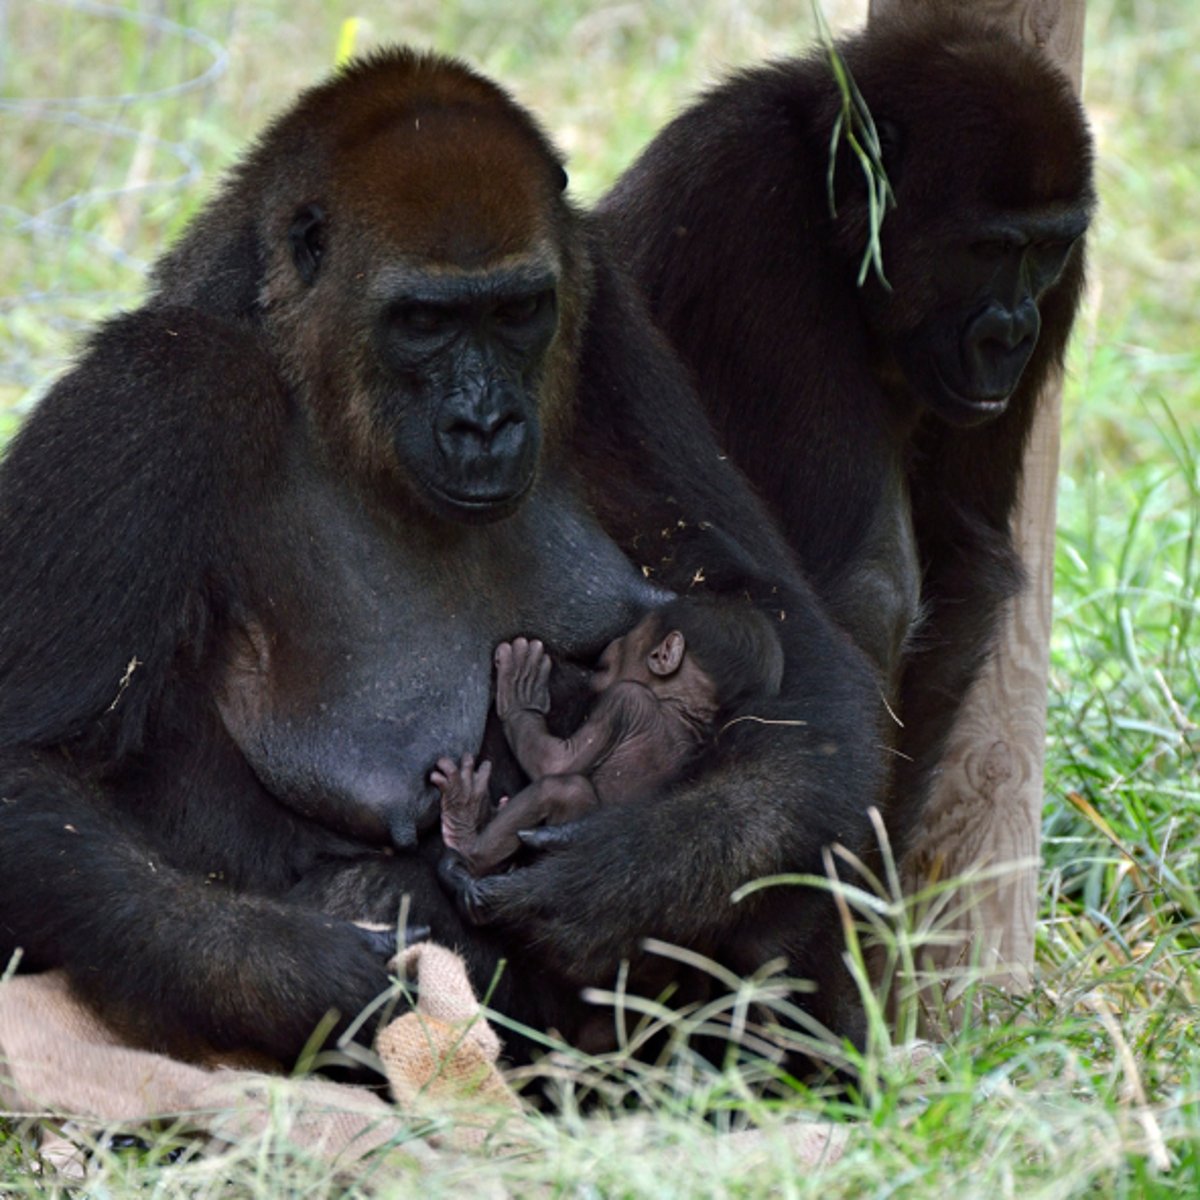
(1027, 323)
(489, 428)
(481, 433)
(997, 329)
(506, 429)
(464, 429)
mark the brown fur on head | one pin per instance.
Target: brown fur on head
(403, 169)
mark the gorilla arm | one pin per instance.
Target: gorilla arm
(111, 511)
(173, 960)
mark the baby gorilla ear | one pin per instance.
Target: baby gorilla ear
(665, 658)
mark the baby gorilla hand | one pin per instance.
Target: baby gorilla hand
(522, 677)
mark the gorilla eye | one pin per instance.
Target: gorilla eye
(1054, 248)
(522, 309)
(992, 249)
(423, 318)
(1047, 260)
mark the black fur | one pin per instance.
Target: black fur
(896, 496)
(736, 648)
(233, 635)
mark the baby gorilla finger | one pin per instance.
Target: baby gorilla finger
(530, 675)
(445, 770)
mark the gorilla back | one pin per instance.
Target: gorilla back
(259, 544)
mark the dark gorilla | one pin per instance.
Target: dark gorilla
(885, 423)
(386, 406)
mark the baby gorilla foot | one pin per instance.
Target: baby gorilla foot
(522, 677)
(465, 804)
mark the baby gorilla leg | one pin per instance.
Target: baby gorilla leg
(552, 800)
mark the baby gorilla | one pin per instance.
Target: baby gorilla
(661, 688)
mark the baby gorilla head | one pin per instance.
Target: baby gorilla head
(694, 644)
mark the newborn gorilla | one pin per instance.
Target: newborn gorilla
(661, 687)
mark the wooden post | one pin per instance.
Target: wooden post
(987, 806)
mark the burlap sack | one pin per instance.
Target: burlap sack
(60, 1060)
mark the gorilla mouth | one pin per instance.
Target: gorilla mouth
(964, 409)
(477, 505)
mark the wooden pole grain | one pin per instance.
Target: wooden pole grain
(986, 809)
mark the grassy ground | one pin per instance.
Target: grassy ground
(112, 128)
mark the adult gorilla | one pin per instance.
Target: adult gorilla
(385, 407)
(883, 422)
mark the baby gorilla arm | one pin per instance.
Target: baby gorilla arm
(523, 699)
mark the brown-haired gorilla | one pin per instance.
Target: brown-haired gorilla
(384, 407)
(883, 423)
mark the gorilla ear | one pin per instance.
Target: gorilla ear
(666, 657)
(307, 239)
(563, 177)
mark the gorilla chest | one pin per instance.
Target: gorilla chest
(364, 652)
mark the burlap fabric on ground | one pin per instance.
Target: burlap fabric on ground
(58, 1061)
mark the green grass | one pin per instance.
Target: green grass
(1090, 1086)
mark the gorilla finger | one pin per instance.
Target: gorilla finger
(476, 901)
(452, 872)
(508, 898)
(472, 899)
(379, 941)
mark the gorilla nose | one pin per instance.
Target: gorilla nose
(1001, 341)
(488, 442)
(1007, 329)
(475, 428)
